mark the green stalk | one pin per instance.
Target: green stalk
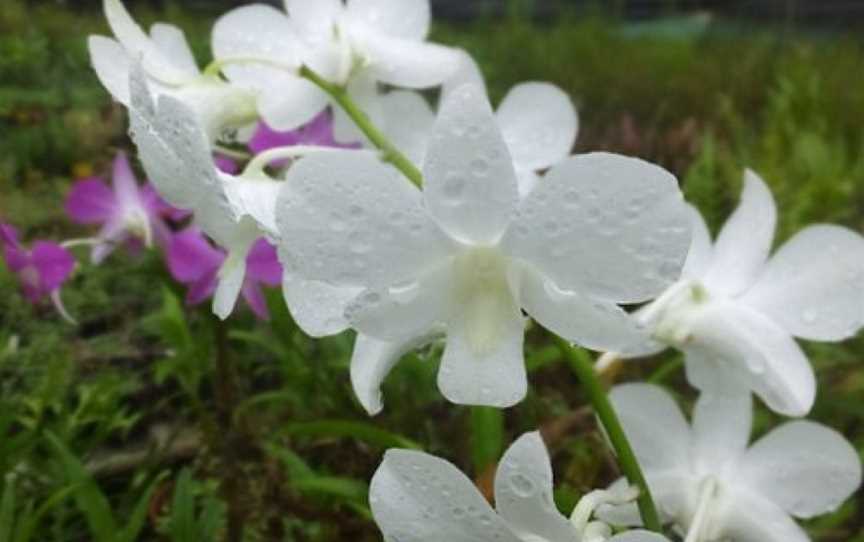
(389, 153)
(584, 369)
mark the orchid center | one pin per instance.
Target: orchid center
(702, 527)
(673, 312)
(137, 224)
(483, 299)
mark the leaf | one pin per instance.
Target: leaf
(139, 513)
(29, 524)
(7, 510)
(487, 436)
(360, 430)
(88, 497)
(183, 509)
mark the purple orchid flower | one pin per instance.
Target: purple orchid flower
(42, 270)
(225, 164)
(130, 214)
(319, 132)
(193, 261)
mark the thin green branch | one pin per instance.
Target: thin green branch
(581, 364)
(389, 152)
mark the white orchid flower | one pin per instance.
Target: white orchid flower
(538, 121)
(419, 497)
(706, 480)
(170, 68)
(175, 152)
(735, 312)
(356, 44)
(465, 256)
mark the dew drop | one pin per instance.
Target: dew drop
(521, 485)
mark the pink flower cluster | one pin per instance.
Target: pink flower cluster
(132, 215)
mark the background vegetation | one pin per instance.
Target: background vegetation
(150, 421)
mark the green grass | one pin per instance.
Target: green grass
(705, 105)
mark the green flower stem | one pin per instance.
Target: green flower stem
(389, 153)
(584, 369)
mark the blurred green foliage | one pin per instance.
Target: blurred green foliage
(126, 428)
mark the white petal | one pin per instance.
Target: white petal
(699, 256)
(399, 314)
(408, 122)
(372, 361)
(418, 497)
(755, 352)
(467, 73)
(318, 308)
(721, 428)
(806, 468)
(523, 491)
(407, 19)
(490, 374)
(654, 425)
(745, 240)
(139, 46)
(671, 490)
(592, 323)
(751, 518)
(471, 187)
(814, 285)
(354, 221)
(364, 91)
(609, 226)
(112, 65)
(290, 102)
(257, 199)
(409, 64)
(314, 19)
(231, 277)
(639, 536)
(171, 41)
(539, 124)
(528, 181)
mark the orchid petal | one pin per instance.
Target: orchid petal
(262, 264)
(90, 202)
(814, 285)
(528, 181)
(657, 430)
(190, 256)
(408, 312)
(112, 65)
(420, 497)
(406, 19)
(318, 308)
(139, 45)
(523, 491)
(757, 353)
(354, 221)
(470, 188)
(408, 121)
(699, 256)
(744, 243)
(670, 490)
(231, 278)
(539, 124)
(256, 198)
(202, 288)
(409, 64)
(638, 536)
(805, 468)
(608, 226)
(594, 324)
(314, 19)
(124, 182)
(371, 362)
(485, 374)
(53, 262)
(254, 297)
(467, 73)
(172, 43)
(721, 427)
(363, 89)
(750, 518)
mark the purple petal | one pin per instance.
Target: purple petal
(202, 288)
(191, 256)
(225, 164)
(9, 235)
(155, 205)
(13, 253)
(53, 263)
(90, 202)
(255, 298)
(262, 264)
(266, 138)
(125, 183)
